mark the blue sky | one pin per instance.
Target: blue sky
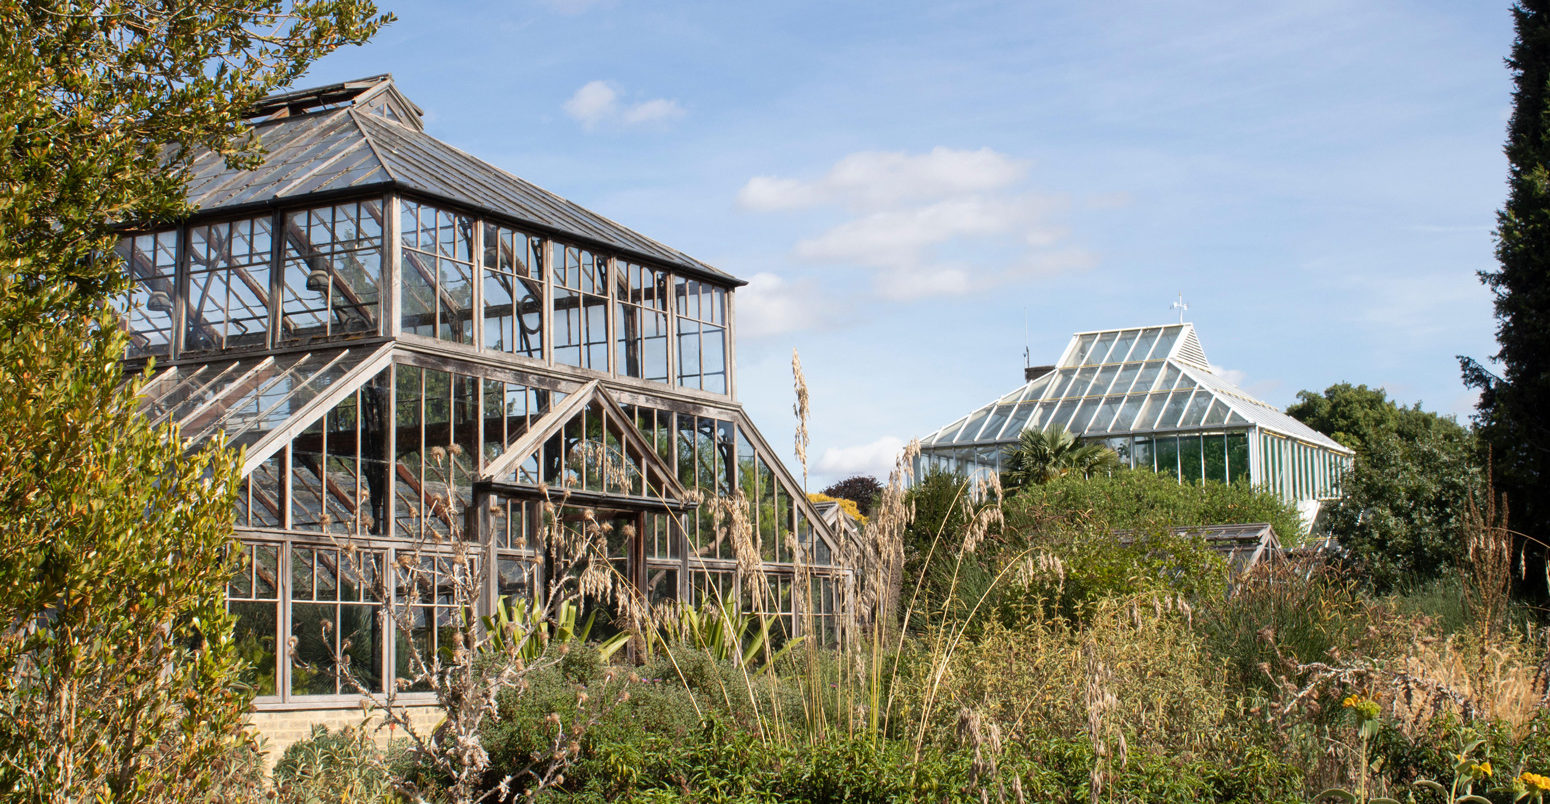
(910, 187)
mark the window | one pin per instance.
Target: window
(335, 598)
(152, 261)
(640, 322)
(254, 597)
(331, 272)
(513, 292)
(580, 308)
(436, 272)
(339, 466)
(702, 336)
(228, 286)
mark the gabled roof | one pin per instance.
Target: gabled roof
(1123, 381)
(365, 135)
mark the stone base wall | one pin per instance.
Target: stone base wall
(277, 729)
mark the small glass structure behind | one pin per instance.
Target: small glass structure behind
(1150, 394)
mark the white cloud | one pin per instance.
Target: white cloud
(1234, 376)
(900, 237)
(873, 179)
(770, 305)
(944, 222)
(875, 458)
(652, 111)
(597, 103)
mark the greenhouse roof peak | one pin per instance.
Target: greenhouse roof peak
(1131, 380)
(362, 137)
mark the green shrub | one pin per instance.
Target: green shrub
(342, 766)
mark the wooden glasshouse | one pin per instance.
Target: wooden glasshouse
(414, 347)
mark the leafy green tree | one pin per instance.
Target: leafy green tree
(1510, 414)
(117, 668)
(1044, 455)
(1403, 502)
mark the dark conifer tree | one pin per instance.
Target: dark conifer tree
(1512, 413)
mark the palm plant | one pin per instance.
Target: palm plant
(1044, 455)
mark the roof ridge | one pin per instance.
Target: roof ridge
(559, 199)
(370, 143)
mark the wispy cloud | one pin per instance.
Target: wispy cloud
(597, 103)
(771, 305)
(942, 222)
(875, 458)
(879, 179)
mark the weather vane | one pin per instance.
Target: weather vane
(1180, 306)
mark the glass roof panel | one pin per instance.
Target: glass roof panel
(1144, 343)
(1063, 383)
(1164, 343)
(1218, 413)
(235, 379)
(1125, 378)
(1122, 346)
(1195, 415)
(1174, 410)
(1083, 381)
(1127, 413)
(971, 429)
(1104, 379)
(1083, 415)
(1103, 420)
(998, 418)
(1234, 418)
(1027, 415)
(249, 404)
(1083, 346)
(1147, 379)
(1170, 378)
(1148, 415)
(1062, 414)
(1100, 353)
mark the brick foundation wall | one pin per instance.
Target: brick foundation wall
(277, 729)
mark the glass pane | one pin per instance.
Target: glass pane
(1190, 458)
(1122, 345)
(1214, 455)
(1238, 457)
(1166, 449)
(1195, 414)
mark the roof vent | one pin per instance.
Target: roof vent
(375, 94)
(1032, 373)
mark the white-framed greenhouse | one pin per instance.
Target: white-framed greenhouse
(1150, 394)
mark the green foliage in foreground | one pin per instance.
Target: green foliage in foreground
(115, 547)
(1143, 500)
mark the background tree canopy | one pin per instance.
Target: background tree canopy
(1510, 415)
(1405, 497)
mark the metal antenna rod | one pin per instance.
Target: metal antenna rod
(1180, 306)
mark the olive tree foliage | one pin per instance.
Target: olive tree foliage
(116, 660)
(117, 670)
(1405, 499)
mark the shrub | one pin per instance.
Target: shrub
(333, 766)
